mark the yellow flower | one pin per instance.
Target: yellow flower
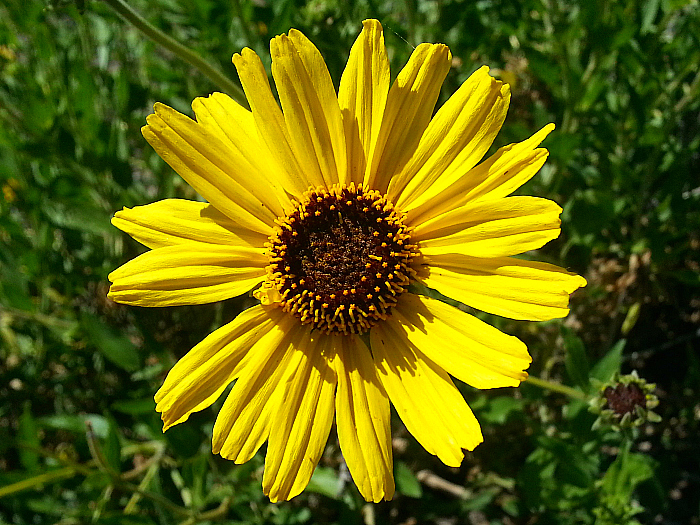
(332, 206)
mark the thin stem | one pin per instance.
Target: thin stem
(105, 497)
(86, 469)
(145, 482)
(96, 451)
(46, 320)
(556, 387)
(213, 514)
(186, 54)
(38, 481)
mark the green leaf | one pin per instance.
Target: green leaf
(14, 286)
(649, 10)
(77, 424)
(480, 500)
(86, 218)
(194, 472)
(594, 88)
(575, 471)
(626, 472)
(114, 346)
(112, 447)
(576, 361)
(28, 435)
(406, 481)
(498, 409)
(325, 481)
(605, 369)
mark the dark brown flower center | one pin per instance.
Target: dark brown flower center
(342, 259)
(624, 398)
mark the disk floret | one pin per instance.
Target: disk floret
(341, 259)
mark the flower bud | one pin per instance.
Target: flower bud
(625, 402)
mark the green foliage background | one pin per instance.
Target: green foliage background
(621, 80)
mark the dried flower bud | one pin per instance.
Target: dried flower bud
(625, 402)
(624, 399)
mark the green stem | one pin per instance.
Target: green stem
(556, 387)
(46, 320)
(136, 496)
(186, 54)
(38, 481)
(86, 469)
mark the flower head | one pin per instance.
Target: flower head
(627, 401)
(329, 207)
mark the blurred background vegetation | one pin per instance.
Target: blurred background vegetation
(80, 441)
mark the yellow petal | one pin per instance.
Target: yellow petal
(362, 96)
(409, 107)
(192, 273)
(363, 421)
(199, 378)
(211, 167)
(498, 176)
(425, 398)
(300, 428)
(245, 419)
(462, 345)
(491, 228)
(503, 286)
(230, 121)
(270, 121)
(310, 108)
(458, 136)
(509, 168)
(177, 221)
(235, 126)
